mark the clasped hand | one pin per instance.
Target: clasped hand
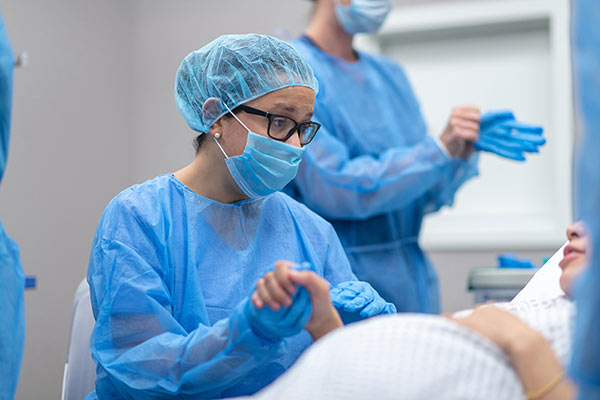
(290, 298)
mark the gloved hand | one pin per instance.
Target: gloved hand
(285, 322)
(509, 260)
(501, 134)
(356, 300)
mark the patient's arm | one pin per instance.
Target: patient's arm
(324, 317)
(530, 353)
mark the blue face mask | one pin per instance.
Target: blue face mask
(363, 16)
(265, 166)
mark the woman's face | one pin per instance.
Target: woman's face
(296, 102)
(575, 256)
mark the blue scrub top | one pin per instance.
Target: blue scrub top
(373, 172)
(169, 274)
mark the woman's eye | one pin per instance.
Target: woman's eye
(279, 122)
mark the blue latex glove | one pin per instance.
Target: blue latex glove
(356, 300)
(484, 144)
(509, 260)
(501, 134)
(492, 119)
(287, 321)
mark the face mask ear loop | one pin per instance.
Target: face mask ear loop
(238, 120)
(220, 147)
(235, 116)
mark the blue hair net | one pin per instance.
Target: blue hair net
(236, 69)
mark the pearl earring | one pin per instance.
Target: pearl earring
(217, 136)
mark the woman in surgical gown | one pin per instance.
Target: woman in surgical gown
(372, 171)
(175, 259)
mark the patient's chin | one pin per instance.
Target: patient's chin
(570, 274)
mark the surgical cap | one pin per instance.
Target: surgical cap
(236, 69)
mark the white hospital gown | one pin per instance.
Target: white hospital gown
(415, 356)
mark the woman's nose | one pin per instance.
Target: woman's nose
(294, 140)
(575, 230)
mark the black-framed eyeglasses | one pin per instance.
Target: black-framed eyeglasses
(282, 128)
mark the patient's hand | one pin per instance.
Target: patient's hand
(531, 355)
(276, 288)
(325, 317)
(500, 326)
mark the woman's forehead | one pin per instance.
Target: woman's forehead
(296, 99)
(294, 96)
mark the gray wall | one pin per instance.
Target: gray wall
(164, 33)
(70, 153)
(93, 114)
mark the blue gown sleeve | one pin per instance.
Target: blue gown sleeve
(12, 315)
(139, 343)
(338, 186)
(454, 176)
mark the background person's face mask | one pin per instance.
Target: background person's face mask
(265, 166)
(363, 16)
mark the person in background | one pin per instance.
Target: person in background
(200, 279)
(373, 171)
(12, 277)
(585, 367)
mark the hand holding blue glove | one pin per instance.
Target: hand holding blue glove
(287, 308)
(502, 134)
(356, 300)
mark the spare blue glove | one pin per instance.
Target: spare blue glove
(357, 300)
(509, 260)
(492, 119)
(501, 134)
(287, 321)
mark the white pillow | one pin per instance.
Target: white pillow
(545, 284)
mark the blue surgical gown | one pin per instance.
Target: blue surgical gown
(169, 273)
(585, 367)
(373, 172)
(12, 315)
(12, 278)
